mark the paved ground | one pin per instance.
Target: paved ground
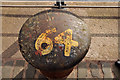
(103, 52)
(86, 69)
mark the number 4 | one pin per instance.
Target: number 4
(66, 39)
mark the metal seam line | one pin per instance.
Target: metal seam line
(52, 6)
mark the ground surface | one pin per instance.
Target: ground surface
(99, 61)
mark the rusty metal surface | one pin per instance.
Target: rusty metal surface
(46, 39)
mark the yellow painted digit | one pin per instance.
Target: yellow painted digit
(66, 39)
(43, 43)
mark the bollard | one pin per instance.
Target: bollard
(54, 41)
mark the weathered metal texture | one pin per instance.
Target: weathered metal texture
(54, 40)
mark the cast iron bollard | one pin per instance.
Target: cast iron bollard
(54, 41)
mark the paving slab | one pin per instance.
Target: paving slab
(103, 26)
(18, 71)
(82, 70)
(106, 67)
(119, 48)
(11, 50)
(30, 72)
(1, 72)
(39, 75)
(19, 75)
(116, 71)
(7, 42)
(103, 48)
(12, 24)
(94, 70)
(72, 75)
(7, 69)
(17, 55)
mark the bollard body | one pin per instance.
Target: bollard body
(54, 41)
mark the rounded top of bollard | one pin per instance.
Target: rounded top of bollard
(54, 40)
